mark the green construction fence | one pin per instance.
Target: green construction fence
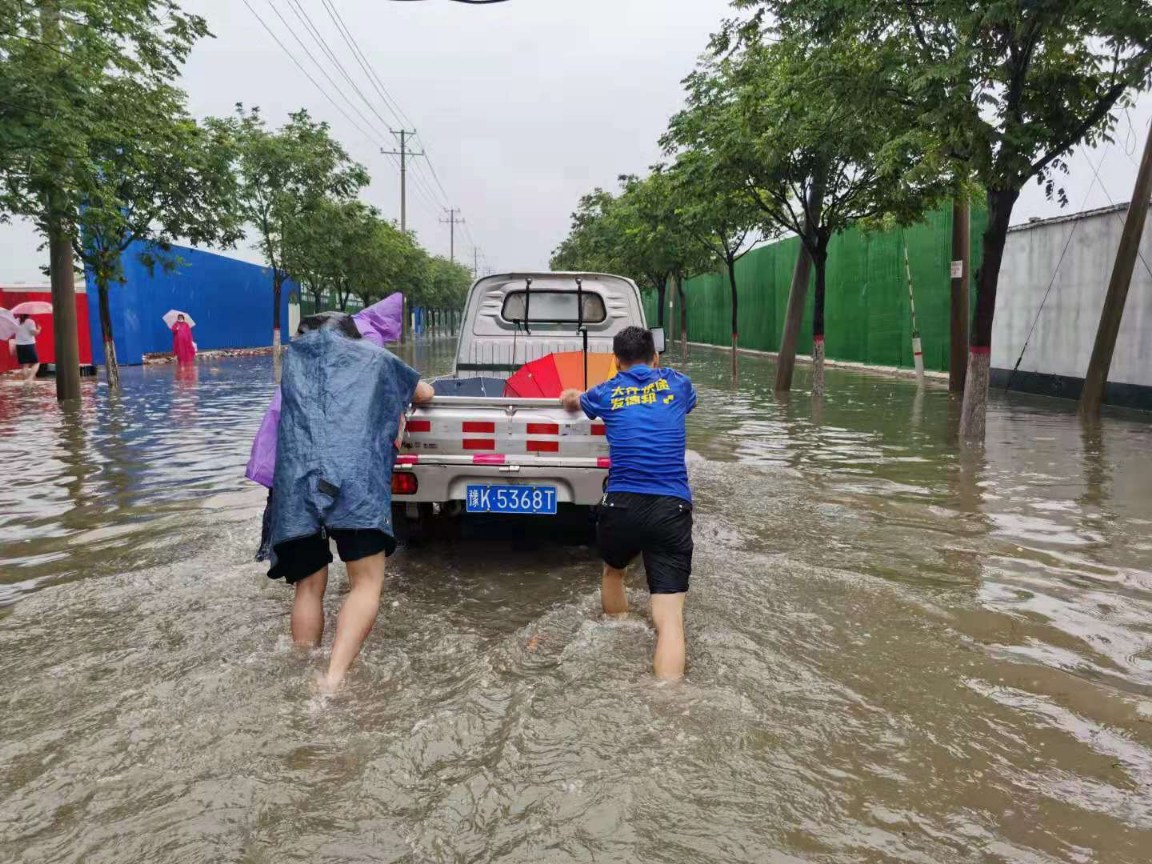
(867, 315)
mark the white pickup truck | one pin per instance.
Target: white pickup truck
(513, 458)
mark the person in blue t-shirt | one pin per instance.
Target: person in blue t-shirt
(647, 506)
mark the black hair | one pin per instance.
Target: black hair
(23, 318)
(634, 345)
(339, 321)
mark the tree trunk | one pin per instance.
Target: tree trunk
(277, 288)
(973, 414)
(735, 319)
(683, 320)
(60, 261)
(661, 296)
(821, 263)
(786, 361)
(111, 367)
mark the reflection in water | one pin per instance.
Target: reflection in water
(900, 649)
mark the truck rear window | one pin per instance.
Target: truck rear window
(553, 307)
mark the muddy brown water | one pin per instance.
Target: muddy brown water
(899, 651)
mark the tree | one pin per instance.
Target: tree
(312, 250)
(58, 62)
(636, 234)
(169, 179)
(718, 217)
(283, 174)
(1006, 89)
(813, 164)
(592, 246)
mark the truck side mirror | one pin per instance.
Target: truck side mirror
(658, 338)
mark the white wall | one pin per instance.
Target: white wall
(1066, 329)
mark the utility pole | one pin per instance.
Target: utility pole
(961, 256)
(453, 220)
(475, 262)
(60, 267)
(1110, 317)
(403, 153)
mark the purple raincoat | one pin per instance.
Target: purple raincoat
(379, 324)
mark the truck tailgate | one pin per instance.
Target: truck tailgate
(485, 431)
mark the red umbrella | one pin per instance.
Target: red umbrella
(32, 307)
(552, 374)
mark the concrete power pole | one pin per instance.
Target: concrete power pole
(475, 262)
(1110, 317)
(452, 221)
(403, 153)
(961, 256)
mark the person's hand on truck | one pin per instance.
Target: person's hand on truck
(570, 400)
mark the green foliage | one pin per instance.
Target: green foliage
(1006, 88)
(638, 234)
(63, 65)
(170, 180)
(283, 175)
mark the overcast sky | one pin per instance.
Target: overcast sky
(523, 106)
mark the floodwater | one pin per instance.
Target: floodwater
(898, 651)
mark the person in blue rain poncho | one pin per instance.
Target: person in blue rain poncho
(342, 401)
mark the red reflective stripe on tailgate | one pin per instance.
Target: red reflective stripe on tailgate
(599, 429)
(603, 462)
(543, 446)
(479, 427)
(407, 459)
(419, 425)
(479, 443)
(490, 459)
(543, 428)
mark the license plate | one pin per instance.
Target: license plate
(517, 500)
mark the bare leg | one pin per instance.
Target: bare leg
(357, 616)
(612, 595)
(668, 616)
(308, 610)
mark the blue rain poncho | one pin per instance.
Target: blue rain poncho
(342, 400)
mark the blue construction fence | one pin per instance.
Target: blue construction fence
(230, 301)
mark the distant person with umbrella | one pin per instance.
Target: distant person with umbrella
(182, 345)
(26, 333)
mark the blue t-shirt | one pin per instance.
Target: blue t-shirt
(644, 411)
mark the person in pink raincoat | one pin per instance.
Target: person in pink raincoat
(182, 345)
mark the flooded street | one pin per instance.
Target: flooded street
(898, 650)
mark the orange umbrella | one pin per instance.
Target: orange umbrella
(552, 374)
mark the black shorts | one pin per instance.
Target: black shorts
(657, 526)
(26, 355)
(299, 559)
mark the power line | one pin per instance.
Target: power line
(389, 101)
(306, 20)
(319, 65)
(374, 79)
(307, 74)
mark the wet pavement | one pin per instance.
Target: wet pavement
(899, 650)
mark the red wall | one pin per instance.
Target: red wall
(45, 342)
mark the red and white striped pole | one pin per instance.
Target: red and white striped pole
(917, 349)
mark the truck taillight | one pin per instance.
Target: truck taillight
(404, 483)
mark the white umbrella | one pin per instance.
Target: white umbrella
(170, 318)
(8, 325)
